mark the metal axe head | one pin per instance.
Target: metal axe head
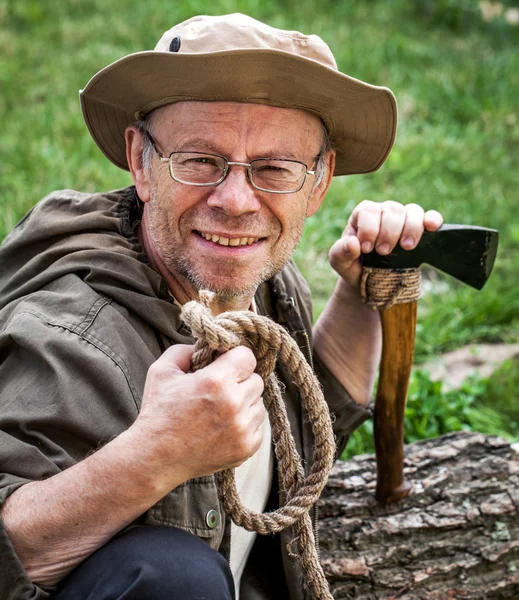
(463, 251)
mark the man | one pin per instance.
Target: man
(232, 131)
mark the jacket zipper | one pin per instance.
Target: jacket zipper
(316, 530)
(306, 349)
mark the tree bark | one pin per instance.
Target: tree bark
(456, 536)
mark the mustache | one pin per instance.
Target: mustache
(252, 223)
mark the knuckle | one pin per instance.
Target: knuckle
(157, 370)
(236, 430)
(369, 206)
(212, 382)
(393, 207)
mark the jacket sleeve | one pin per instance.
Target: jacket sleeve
(347, 414)
(61, 397)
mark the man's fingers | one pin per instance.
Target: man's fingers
(345, 251)
(392, 222)
(239, 362)
(383, 225)
(366, 221)
(257, 413)
(178, 356)
(344, 258)
(433, 220)
(413, 228)
(416, 221)
(252, 388)
(380, 226)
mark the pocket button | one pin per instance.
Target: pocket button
(212, 518)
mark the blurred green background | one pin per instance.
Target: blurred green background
(454, 68)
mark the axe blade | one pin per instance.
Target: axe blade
(463, 251)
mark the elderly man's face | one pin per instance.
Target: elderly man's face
(268, 226)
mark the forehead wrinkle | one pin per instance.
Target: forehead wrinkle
(198, 144)
(230, 126)
(295, 144)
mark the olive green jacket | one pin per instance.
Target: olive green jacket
(82, 318)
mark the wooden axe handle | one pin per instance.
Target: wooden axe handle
(398, 335)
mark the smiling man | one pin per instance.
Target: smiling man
(233, 236)
(232, 132)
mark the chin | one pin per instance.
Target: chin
(223, 281)
(228, 289)
(241, 285)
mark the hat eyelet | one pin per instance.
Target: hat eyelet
(174, 45)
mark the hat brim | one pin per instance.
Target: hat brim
(361, 118)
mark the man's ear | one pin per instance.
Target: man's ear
(134, 144)
(319, 191)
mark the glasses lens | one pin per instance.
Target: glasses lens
(278, 175)
(195, 167)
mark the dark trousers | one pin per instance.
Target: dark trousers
(150, 563)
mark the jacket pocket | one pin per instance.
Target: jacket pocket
(193, 507)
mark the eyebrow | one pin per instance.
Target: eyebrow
(198, 144)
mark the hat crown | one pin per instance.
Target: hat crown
(207, 34)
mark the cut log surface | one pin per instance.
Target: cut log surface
(456, 536)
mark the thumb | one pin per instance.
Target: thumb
(344, 259)
(178, 357)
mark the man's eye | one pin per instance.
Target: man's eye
(271, 168)
(201, 160)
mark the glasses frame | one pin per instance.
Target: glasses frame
(229, 163)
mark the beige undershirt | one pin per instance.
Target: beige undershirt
(253, 482)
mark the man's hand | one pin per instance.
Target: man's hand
(347, 336)
(191, 424)
(203, 422)
(380, 226)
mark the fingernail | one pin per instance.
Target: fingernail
(408, 242)
(383, 248)
(366, 247)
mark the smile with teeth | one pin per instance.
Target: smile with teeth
(225, 241)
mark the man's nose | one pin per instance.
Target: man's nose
(235, 195)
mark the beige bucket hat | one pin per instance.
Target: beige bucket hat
(236, 58)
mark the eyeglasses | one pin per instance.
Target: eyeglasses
(274, 175)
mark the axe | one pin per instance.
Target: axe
(391, 284)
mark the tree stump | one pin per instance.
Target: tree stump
(456, 536)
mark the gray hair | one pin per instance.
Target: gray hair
(326, 146)
(144, 126)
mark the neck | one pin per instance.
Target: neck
(179, 286)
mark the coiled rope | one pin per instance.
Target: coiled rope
(270, 342)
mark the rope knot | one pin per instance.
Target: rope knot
(216, 335)
(270, 342)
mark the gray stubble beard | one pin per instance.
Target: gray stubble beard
(179, 265)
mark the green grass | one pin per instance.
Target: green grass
(456, 79)
(488, 405)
